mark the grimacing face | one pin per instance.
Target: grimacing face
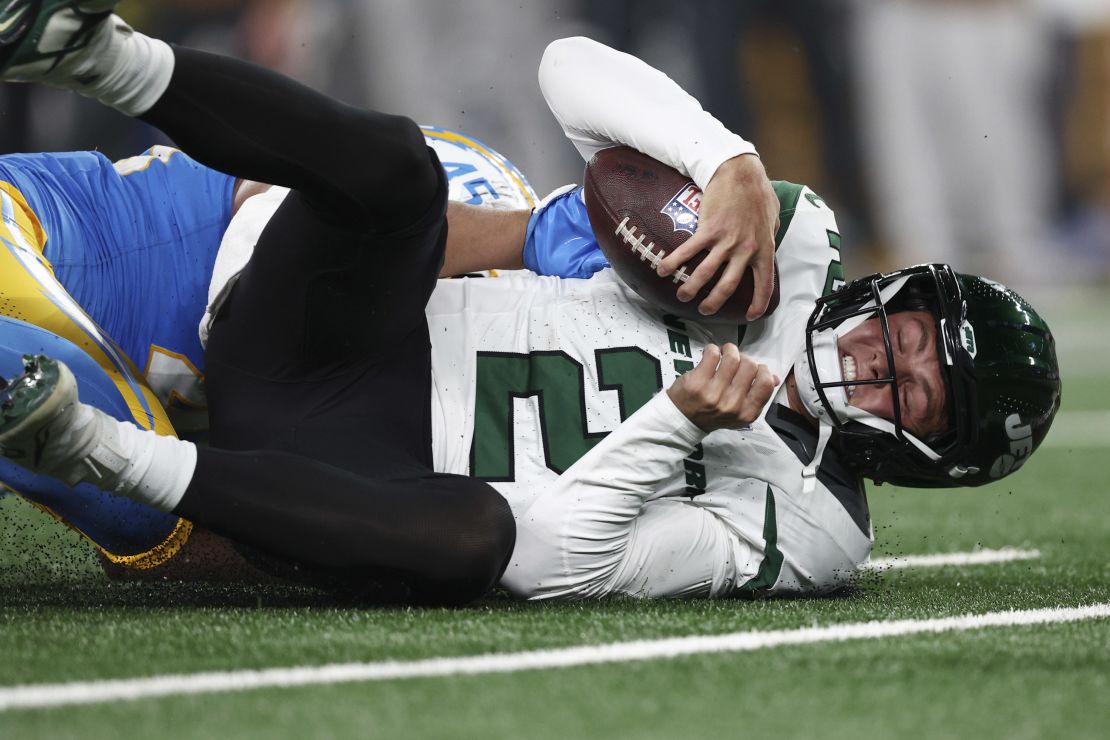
(921, 388)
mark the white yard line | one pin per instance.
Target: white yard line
(938, 560)
(65, 694)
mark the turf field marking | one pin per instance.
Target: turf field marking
(938, 560)
(93, 692)
(1084, 429)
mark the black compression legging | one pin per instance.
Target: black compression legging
(430, 539)
(319, 364)
(362, 166)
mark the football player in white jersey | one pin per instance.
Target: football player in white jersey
(530, 373)
(711, 488)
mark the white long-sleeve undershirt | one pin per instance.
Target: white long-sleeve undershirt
(602, 97)
(597, 530)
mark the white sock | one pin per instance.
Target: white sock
(119, 67)
(119, 457)
(131, 70)
(160, 470)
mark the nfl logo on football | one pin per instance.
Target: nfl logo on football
(683, 208)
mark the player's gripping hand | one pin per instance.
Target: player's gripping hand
(727, 390)
(738, 218)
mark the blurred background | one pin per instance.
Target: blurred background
(970, 131)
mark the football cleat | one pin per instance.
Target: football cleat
(46, 429)
(36, 36)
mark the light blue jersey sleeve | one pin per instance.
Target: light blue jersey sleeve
(559, 240)
(132, 242)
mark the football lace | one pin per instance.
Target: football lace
(647, 251)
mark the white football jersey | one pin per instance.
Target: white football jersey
(537, 382)
(529, 375)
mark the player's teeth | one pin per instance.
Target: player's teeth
(848, 366)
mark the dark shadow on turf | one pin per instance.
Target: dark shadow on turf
(96, 593)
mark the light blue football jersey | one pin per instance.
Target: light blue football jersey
(133, 244)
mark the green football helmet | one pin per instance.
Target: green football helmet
(998, 361)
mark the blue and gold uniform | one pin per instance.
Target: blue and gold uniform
(102, 264)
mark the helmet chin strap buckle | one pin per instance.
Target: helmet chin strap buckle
(959, 471)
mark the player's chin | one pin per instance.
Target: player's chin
(865, 402)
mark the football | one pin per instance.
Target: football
(641, 210)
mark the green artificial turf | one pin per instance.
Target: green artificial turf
(60, 620)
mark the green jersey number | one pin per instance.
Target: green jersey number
(558, 381)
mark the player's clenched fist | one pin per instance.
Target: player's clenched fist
(727, 390)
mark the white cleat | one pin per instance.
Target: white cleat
(39, 39)
(47, 430)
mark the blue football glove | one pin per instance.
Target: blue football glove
(559, 240)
